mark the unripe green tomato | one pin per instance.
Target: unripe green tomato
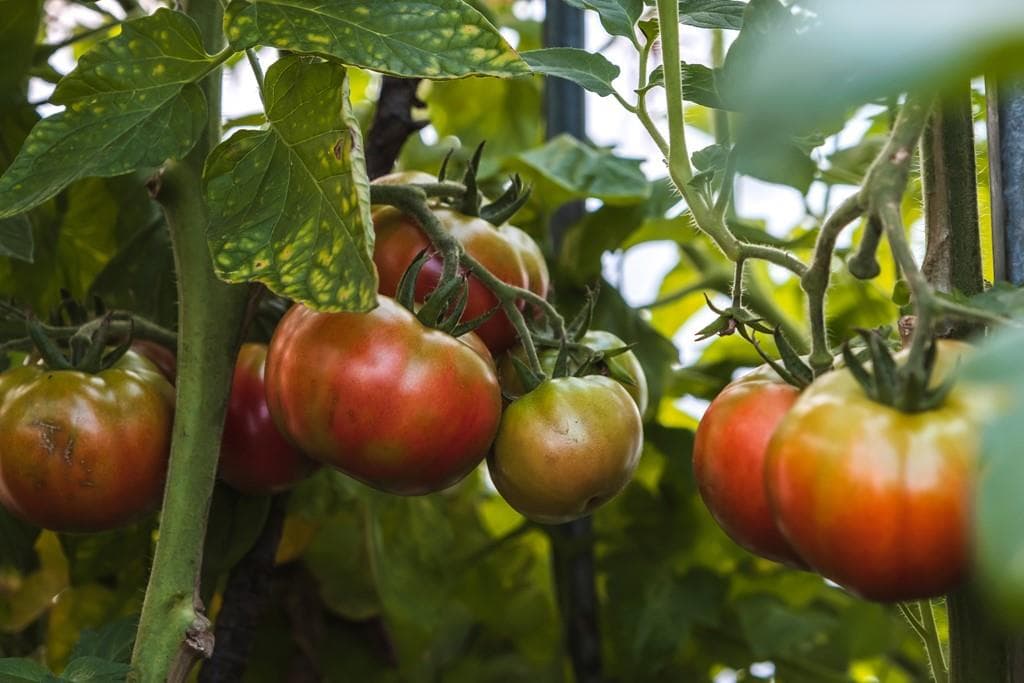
(566, 448)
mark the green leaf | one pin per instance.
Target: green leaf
(17, 543)
(236, 521)
(572, 169)
(727, 14)
(698, 84)
(22, 671)
(775, 629)
(18, 33)
(95, 670)
(112, 642)
(775, 159)
(131, 102)
(435, 39)
(1002, 298)
(995, 370)
(16, 121)
(589, 70)
(290, 205)
(841, 55)
(618, 17)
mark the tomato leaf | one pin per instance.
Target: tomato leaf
(95, 670)
(436, 39)
(290, 205)
(131, 102)
(112, 642)
(568, 169)
(17, 543)
(618, 17)
(14, 670)
(589, 70)
(17, 40)
(698, 84)
(727, 14)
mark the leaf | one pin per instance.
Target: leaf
(436, 39)
(618, 17)
(236, 521)
(994, 372)
(95, 670)
(16, 121)
(842, 55)
(22, 671)
(17, 39)
(589, 70)
(727, 14)
(698, 84)
(575, 170)
(775, 629)
(776, 159)
(290, 206)
(112, 642)
(711, 158)
(131, 102)
(1002, 298)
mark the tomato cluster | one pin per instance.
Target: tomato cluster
(379, 396)
(873, 498)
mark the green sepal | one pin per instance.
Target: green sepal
(504, 207)
(471, 200)
(442, 173)
(801, 371)
(527, 376)
(438, 302)
(474, 323)
(579, 325)
(405, 294)
(52, 355)
(450, 320)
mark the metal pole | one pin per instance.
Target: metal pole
(1005, 97)
(1006, 181)
(571, 544)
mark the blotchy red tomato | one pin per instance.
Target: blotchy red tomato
(377, 395)
(254, 457)
(728, 461)
(165, 360)
(875, 499)
(537, 275)
(83, 452)
(399, 240)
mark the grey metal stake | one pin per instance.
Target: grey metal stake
(1006, 181)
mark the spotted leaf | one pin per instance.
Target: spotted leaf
(131, 102)
(290, 205)
(436, 39)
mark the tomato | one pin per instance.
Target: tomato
(625, 364)
(538, 279)
(254, 457)
(162, 357)
(377, 395)
(875, 499)
(82, 452)
(399, 240)
(566, 448)
(728, 461)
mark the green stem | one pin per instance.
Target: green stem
(737, 284)
(815, 280)
(254, 64)
(932, 644)
(173, 632)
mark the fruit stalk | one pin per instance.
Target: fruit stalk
(173, 632)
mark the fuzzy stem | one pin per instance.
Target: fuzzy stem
(173, 632)
(815, 280)
(932, 644)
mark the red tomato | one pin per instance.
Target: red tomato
(728, 461)
(254, 457)
(382, 398)
(875, 499)
(84, 452)
(399, 240)
(162, 357)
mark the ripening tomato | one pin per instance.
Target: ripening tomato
(728, 461)
(165, 360)
(566, 448)
(875, 499)
(538, 278)
(399, 241)
(401, 407)
(84, 452)
(254, 457)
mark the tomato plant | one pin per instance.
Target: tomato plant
(398, 406)
(82, 452)
(729, 461)
(874, 498)
(254, 457)
(566, 448)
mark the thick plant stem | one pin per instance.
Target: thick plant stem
(173, 631)
(977, 650)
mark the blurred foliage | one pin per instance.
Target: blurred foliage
(456, 586)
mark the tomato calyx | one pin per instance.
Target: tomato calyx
(444, 308)
(88, 346)
(904, 387)
(736, 319)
